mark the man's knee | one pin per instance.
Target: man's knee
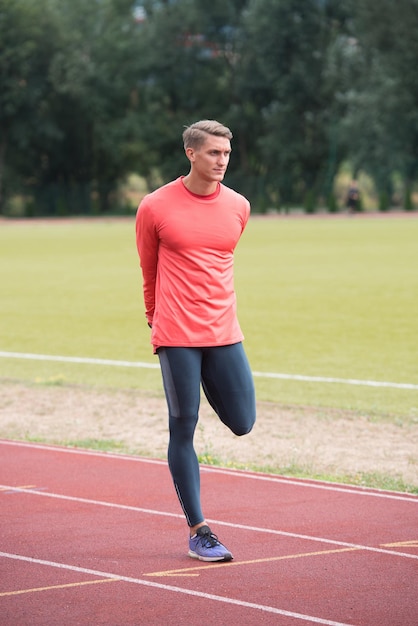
(243, 429)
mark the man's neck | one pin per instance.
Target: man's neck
(200, 187)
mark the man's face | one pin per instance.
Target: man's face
(210, 161)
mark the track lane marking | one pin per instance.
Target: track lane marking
(413, 543)
(236, 473)
(234, 525)
(17, 489)
(272, 559)
(161, 586)
(53, 587)
(339, 488)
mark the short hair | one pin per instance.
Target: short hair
(195, 135)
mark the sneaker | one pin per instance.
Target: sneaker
(204, 545)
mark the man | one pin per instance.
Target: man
(186, 234)
(353, 197)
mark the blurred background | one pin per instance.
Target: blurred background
(321, 95)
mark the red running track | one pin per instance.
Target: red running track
(90, 538)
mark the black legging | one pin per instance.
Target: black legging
(228, 385)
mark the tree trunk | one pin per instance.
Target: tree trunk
(3, 143)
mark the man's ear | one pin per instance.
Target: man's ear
(190, 154)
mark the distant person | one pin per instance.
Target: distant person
(353, 197)
(186, 233)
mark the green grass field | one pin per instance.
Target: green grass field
(323, 297)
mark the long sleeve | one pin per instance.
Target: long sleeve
(147, 245)
(186, 248)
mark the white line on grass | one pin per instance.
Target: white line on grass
(343, 381)
(142, 364)
(76, 359)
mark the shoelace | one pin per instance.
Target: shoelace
(209, 540)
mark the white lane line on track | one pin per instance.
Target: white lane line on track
(190, 592)
(361, 491)
(142, 364)
(270, 531)
(82, 451)
(357, 491)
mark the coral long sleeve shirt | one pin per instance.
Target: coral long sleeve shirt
(186, 245)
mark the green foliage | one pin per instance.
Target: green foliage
(24, 87)
(309, 201)
(381, 123)
(89, 94)
(285, 81)
(332, 205)
(78, 121)
(383, 201)
(408, 203)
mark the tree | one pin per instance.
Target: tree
(24, 86)
(91, 91)
(94, 75)
(381, 115)
(187, 69)
(283, 60)
(69, 74)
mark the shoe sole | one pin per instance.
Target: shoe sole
(211, 559)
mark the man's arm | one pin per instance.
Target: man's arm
(147, 245)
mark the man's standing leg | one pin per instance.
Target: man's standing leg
(181, 370)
